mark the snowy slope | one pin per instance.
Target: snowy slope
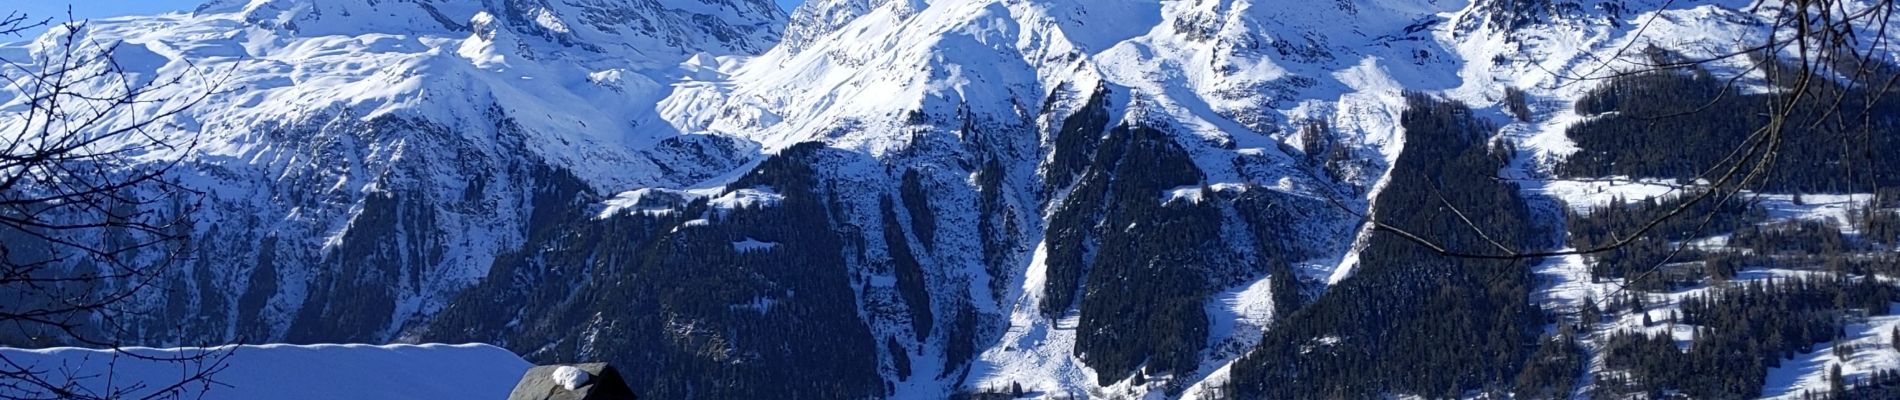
(1232, 80)
(1558, 55)
(326, 120)
(408, 143)
(287, 372)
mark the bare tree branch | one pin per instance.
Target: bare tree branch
(91, 212)
(1818, 29)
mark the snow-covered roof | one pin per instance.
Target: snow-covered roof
(285, 372)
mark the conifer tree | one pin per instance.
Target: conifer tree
(1835, 386)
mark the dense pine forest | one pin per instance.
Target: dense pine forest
(691, 300)
(1738, 332)
(1473, 334)
(1410, 320)
(1721, 338)
(1685, 123)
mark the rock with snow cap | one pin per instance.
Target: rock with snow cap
(593, 381)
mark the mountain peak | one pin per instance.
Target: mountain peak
(648, 27)
(1512, 15)
(817, 18)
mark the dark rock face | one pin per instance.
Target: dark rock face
(593, 381)
(816, 18)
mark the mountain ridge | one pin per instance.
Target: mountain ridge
(949, 169)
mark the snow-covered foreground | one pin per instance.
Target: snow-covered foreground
(285, 372)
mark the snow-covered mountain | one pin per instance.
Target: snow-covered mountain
(903, 198)
(352, 137)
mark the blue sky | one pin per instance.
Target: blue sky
(56, 9)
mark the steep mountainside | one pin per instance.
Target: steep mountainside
(364, 161)
(926, 198)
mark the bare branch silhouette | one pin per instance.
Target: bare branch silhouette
(1827, 43)
(91, 211)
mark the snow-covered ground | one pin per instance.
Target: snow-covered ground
(1036, 352)
(1872, 349)
(1566, 281)
(285, 372)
